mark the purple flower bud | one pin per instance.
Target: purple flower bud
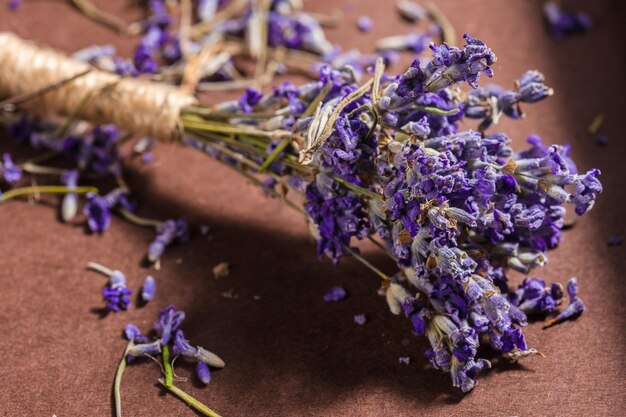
(562, 24)
(10, 172)
(203, 372)
(98, 213)
(615, 239)
(335, 294)
(360, 319)
(116, 294)
(249, 99)
(512, 338)
(133, 334)
(182, 346)
(364, 23)
(169, 321)
(148, 289)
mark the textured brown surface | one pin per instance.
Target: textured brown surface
(290, 353)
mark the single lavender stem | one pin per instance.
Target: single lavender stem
(138, 220)
(100, 268)
(45, 189)
(191, 401)
(367, 264)
(167, 367)
(39, 169)
(118, 382)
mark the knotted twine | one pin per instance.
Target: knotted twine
(133, 105)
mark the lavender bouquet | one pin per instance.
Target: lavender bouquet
(384, 160)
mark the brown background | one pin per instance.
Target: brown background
(290, 353)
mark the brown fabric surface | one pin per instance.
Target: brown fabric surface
(290, 353)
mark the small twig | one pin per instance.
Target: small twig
(104, 18)
(367, 264)
(191, 401)
(117, 383)
(184, 31)
(447, 30)
(140, 221)
(45, 189)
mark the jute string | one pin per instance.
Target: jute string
(133, 105)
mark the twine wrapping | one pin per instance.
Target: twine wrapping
(133, 105)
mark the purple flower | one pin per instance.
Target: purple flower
(14, 5)
(116, 294)
(167, 233)
(10, 172)
(143, 349)
(98, 208)
(450, 64)
(615, 239)
(203, 372)
(511, 339)
(533, 297)
(335, 294)
(562, 24)
(587, 188)
(169, 321)
(249, 99)
(182, 346)
(133, 334)
(148, 289)
(360, 319)
(575, 308)
(364, 23)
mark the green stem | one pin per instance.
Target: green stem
(45, 189)
(367, 264)
(437, 111)
(118, 382)
(138, 220)
(274, 155)
(355, 188)
(191, 401)
(167, 367)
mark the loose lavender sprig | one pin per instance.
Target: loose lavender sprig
(115, 293)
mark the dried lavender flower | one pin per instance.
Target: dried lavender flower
(148, 289)
(9, 171)
(615, 240)
(562, 24)
(335, 294)
(116, 293)
(364, 23)
(203, 372)
(360, 319)
(575, 308)
(169, 321)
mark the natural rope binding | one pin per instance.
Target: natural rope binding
(133, 105)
